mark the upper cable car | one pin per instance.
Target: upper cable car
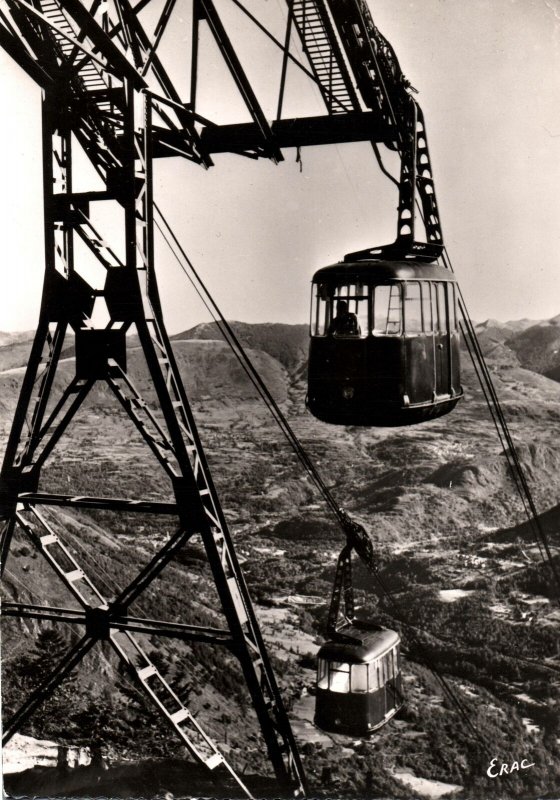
(384, 346)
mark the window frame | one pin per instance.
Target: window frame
(373, 675)
(322, 673)
(373, 289)
(427, 305)
(332, 669)
(316, 300)
(421, 330)
(435, 308)
(333, 295)
(441, 290)
(356, 667)
(452, 307)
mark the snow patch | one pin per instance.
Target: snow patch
(425, 787)
(451, 595)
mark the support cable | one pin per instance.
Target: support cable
(506, 439)
(230, 336)
(503, 444)
(495, 409)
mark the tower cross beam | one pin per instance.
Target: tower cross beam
(151, 627)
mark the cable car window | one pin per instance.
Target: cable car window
(322, 677)
(387, 309)
(451, 296)
(321, 319)
(426, 308)
(413, 308)
(350, 311)
(362, 312)
(387, 667)
(374, 676)
(339, 677)
(438, 310)
(359, 678)
(441, 288)
(321, 311)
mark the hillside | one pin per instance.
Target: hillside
(286, 343)
(470, 596)
(538, 347)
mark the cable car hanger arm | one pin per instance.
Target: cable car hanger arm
(342, 606)
(347, 29)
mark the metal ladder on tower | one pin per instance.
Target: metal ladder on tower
(105, 117)
(127, 646)
(325, 56)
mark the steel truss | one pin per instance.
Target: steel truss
(107, 92)
(131, 296)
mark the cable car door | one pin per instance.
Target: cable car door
(441, 339)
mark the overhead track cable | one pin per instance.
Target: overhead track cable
(504, 434)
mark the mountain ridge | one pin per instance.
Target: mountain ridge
(531, 344)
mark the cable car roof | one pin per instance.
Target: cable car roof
(372, 272)
(366, 645)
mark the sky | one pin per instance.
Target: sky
(488, 77)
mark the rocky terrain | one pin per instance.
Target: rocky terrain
(468, 589)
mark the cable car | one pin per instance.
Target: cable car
(384, 346)
(359, 684)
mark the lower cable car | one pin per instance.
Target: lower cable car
(384, 346)
(359, 684)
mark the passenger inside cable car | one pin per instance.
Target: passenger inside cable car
(359, 684)
(344, 323)
(390, 353)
